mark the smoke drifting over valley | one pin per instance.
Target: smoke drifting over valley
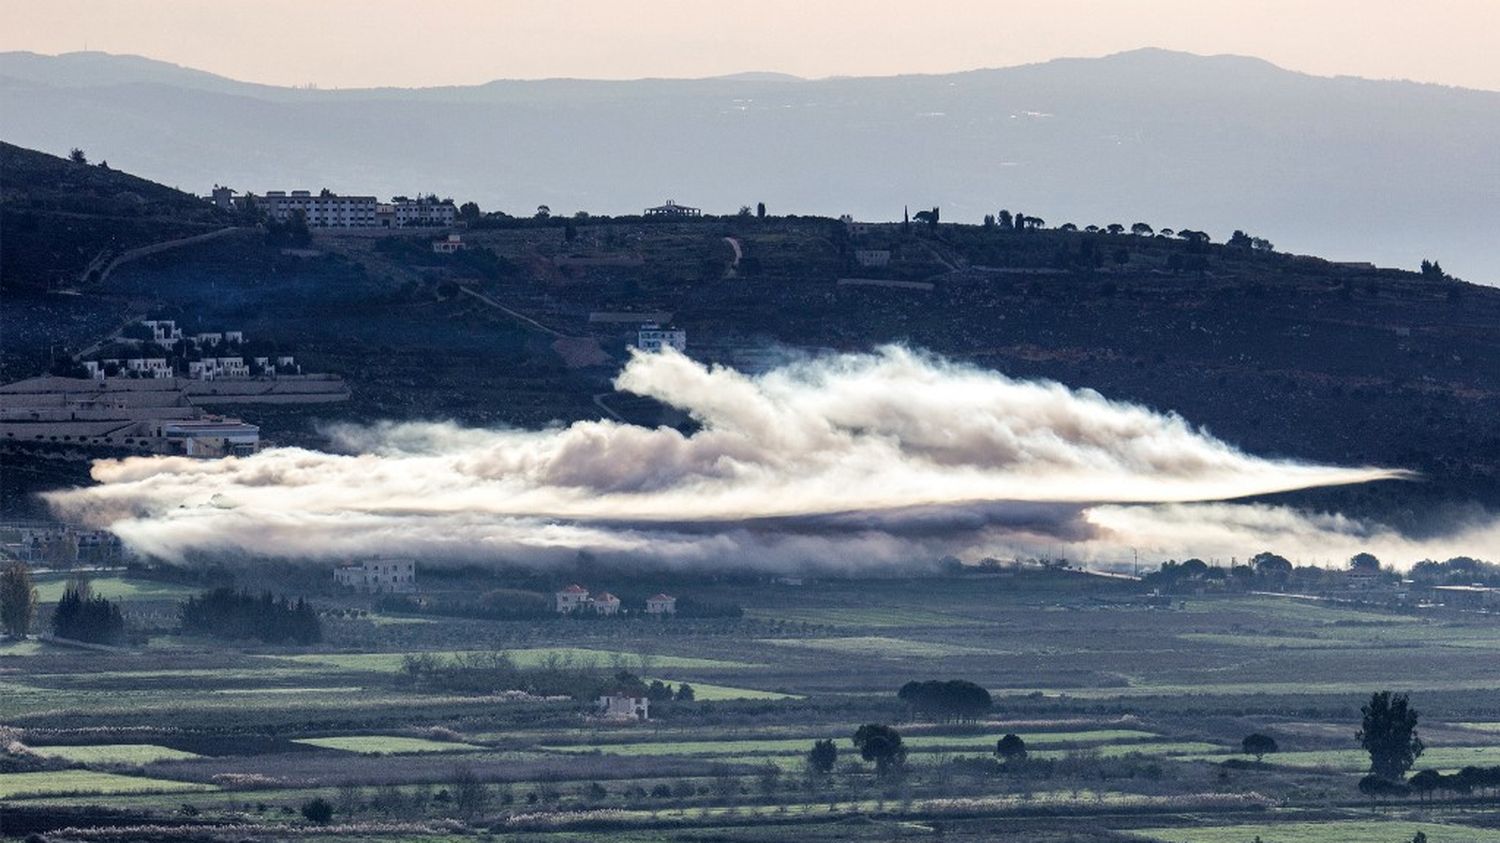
(860, 461)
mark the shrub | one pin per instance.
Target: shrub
(317, 810)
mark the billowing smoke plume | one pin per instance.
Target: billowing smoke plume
(864, 460)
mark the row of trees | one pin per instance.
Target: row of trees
(227, 613)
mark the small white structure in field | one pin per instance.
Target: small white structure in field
(606, 603)
(661, 604)
(653, 337)
(379, 576)
(454, 243)
(572, 598)
(622, 706)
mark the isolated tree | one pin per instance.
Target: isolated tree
(543, 212)
(470, 796)
(1268, 564)
(1389, 734)
(17, 600)
(989, 220)
(1258, 745)
(744, 211)
(760, 210)
(469, 212)
(1115, 228)
(1004, 219)
(77, 157)
(1067, 226)
(1011, 748)
(1141, 229)
(317, 810)
(1364, 562)
(685, 692)
(882, 745)
(823, 755)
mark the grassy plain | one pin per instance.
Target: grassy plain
(1124, 707)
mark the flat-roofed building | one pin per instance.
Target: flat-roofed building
(221, 437)
(379, 576)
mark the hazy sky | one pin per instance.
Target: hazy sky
(347, 43)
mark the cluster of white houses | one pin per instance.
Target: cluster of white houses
(209, 365)
(576, 599)
(326, 209)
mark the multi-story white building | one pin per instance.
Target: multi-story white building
(653, 337)
(379, 576)
(324, 210)
(423, 213)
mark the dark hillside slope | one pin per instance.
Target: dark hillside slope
(58, 217)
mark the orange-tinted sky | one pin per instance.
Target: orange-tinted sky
(347, 43)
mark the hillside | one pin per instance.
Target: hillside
(1351, 169)
(61, 219)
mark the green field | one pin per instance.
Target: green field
(523, 657)
(387, 744)
(1344, 831)
(50, 590)
(120, 753)
(16, 785)
(1445, 758)
(879, 645)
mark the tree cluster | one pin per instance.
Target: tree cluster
(954, 699)
(82, 616)
(239, 615)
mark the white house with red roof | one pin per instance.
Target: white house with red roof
(572, 598)
(661, 604)
(606, 603)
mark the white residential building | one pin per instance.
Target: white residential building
(379, 576)
(454, 243)
(150, 367)
(572, 598)
(95, 370)
(661, 604)
(163, 331)
(653, 337)
(622, 706)
(606, 603)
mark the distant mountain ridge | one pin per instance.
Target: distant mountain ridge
(1347, 168)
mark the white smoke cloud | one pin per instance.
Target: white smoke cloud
(859, 460)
